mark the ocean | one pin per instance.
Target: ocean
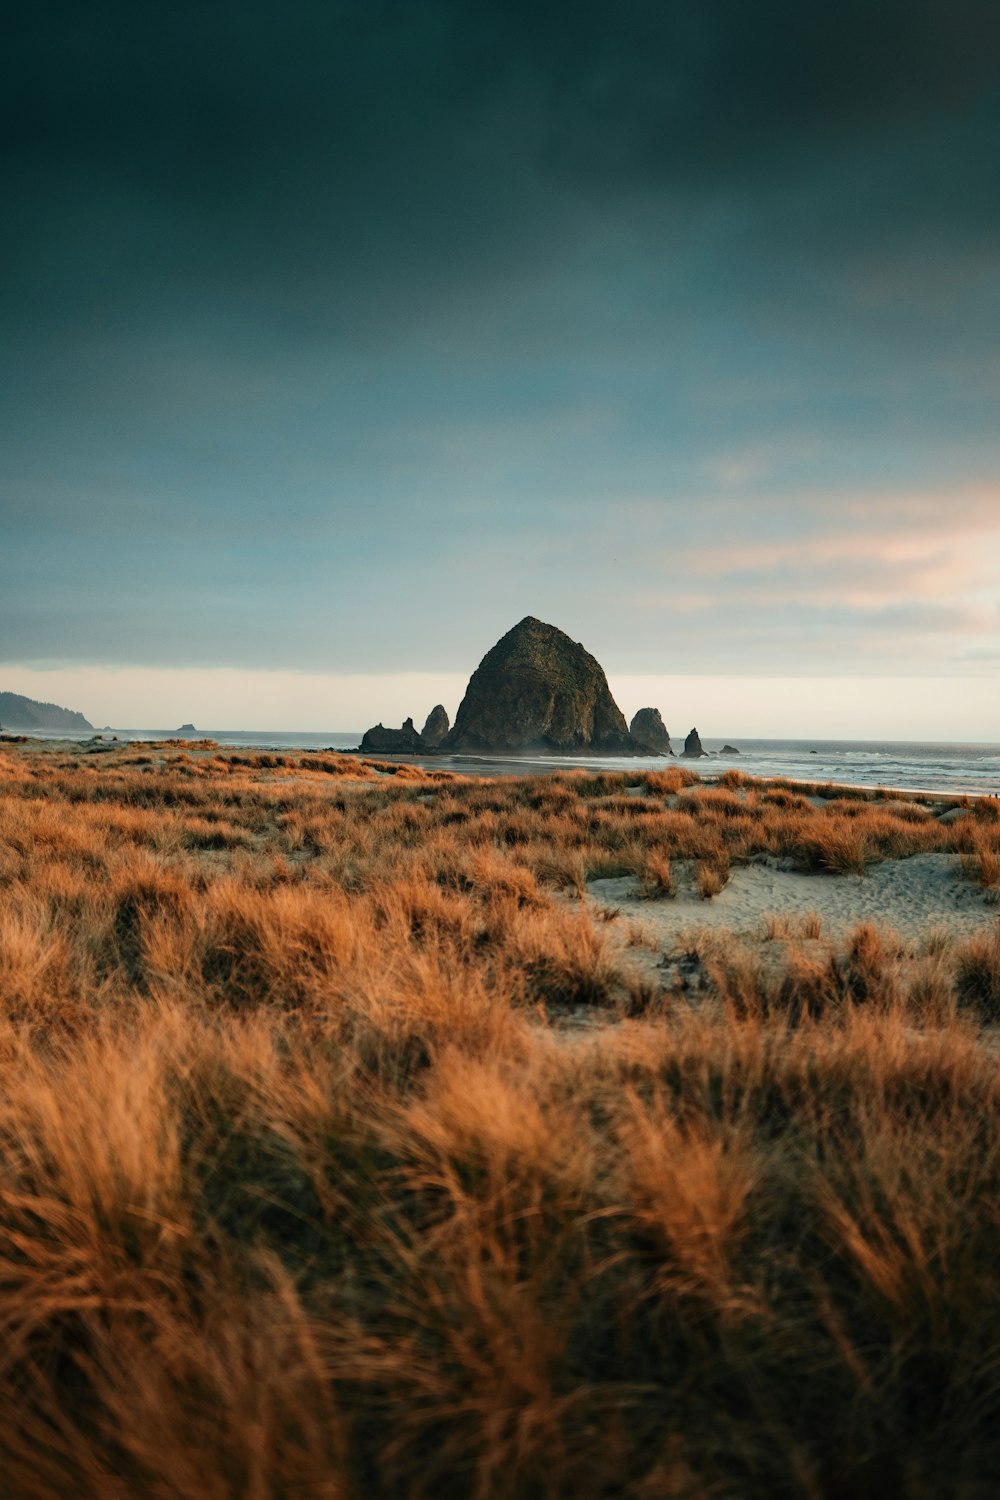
(910, 765)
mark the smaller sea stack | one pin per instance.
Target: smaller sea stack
(650, 733)
(693, 748)
(436, 727)
(380, 740)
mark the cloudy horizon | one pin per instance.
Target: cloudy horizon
(339, 338)
(947, 709)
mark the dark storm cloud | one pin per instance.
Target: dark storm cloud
(274, 149)
(310, 302)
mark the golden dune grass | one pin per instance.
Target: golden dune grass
(306, 1191)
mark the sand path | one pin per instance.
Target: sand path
(910, 895)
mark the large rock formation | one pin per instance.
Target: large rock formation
(650, 733)
(693, 749)
(17, 712)
(436, 728)
(383, 741)
(537, 690)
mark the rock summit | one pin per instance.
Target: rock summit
(538, 690)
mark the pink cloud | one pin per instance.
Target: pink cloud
(875, 552)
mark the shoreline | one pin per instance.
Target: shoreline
(556, 764)
(707, 768)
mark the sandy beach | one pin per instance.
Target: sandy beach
(914, 897)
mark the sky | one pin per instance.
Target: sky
(338, 335)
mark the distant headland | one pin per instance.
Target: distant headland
(17, 712)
